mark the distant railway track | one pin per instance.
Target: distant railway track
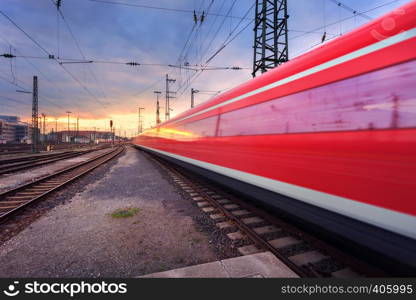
(12, 201)
(254, 229)
(18, 164)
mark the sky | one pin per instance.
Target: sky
(152, 33)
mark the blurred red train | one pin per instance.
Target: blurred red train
(328, 138)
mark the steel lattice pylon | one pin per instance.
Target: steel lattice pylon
(270, 35)
(35, 124)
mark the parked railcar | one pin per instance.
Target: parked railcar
(328, 138)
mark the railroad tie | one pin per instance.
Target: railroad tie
(12, 202)
(203, 204)
(240, 213)
(231, 206)
(217, 216)
(238, 235)
(208, 209)
(248, 250)
(284, 242)
(226, 224)
(223, 201)
(253, 220)
(307, 258)
(7, 207)
(267, 229)
(345, 273)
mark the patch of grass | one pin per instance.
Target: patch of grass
(125, 212)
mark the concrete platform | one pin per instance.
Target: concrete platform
(260, 265)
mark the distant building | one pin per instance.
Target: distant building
(7, 132)
(23, 133)
(12, 130)
(11, 119)
(82, 136)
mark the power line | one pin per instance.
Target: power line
(14, 100)
(25, 33)
(161, 8)
(231, 38)
(148, 87)
(354, 11)
(130, 63)
(33, 65)
(228, 40)
(52, 57)
(343, 20)
(78, 46)
(26, 90)
(191, 79)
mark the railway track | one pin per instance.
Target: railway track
(253, 229)
(23, 163)
(12, 201)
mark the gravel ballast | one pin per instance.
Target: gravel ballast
(79, 236)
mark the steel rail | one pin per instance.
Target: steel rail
(23, 163)
(334, 254)
(49, 184)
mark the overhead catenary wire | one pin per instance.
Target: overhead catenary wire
(26, 90)
(14, 100)
(51, 55)
(337, 22)
(228, 40)
(178, 10)
(181, 90)
(129, 63)
(42, 74)
(60, 13)
(352, 10)
(342, 20)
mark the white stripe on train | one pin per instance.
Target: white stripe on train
(401, 223)
(406, 35)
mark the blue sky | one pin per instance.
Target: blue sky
(122, 33)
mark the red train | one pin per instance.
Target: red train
(328, 138)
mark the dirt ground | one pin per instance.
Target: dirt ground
(80, 238)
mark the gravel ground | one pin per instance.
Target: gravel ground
(8, 181)
(72, 233)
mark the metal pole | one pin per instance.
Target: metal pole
(140, 120)
(44, 128)
(35, 127)
(168, 97)
(158, 121)
(192, 98)
(270, 35)
(68, 133)
(263, 36)
(56, 130)
(193, 92)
